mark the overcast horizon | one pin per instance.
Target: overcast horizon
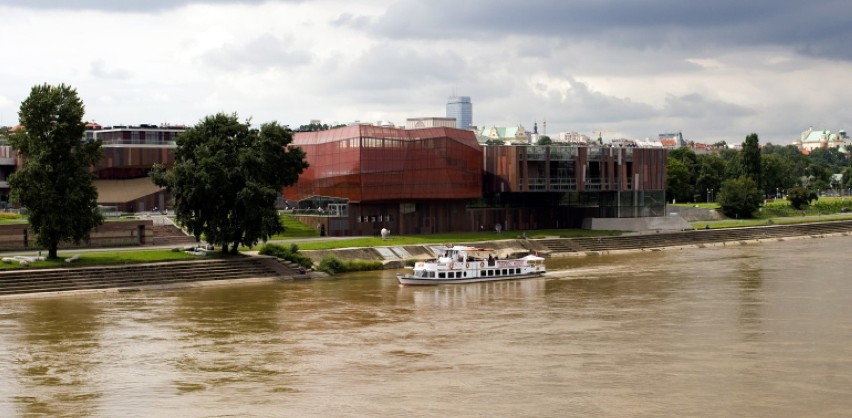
(712, 70)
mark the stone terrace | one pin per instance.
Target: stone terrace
(136, 277)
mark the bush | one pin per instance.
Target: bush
(800, 197)
(333, 265)
(739, 198)
(290, 254)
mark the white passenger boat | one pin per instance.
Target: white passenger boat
(463, 264)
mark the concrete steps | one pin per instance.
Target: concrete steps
(137, 276)
(697, 237)
(168, 234)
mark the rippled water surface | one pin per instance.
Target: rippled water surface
(743, 330)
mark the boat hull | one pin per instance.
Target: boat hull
(409, 280)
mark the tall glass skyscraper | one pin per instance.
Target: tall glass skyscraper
(461, 108)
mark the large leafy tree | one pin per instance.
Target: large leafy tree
(55, 183)
(226, 178)
(739, 197)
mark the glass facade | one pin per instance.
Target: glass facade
(460, 108)
(441, 180)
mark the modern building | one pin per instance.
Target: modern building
(8, 163)
(364, 178)
(461, 109)
(129, 153)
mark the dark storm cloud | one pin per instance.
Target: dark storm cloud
(587, 106)
(121, 5)
(818, 28)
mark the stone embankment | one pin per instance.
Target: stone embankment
(170, 275)
(137, 277)
(396, 256)
(696, 238)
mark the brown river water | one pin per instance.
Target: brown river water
(757, 330)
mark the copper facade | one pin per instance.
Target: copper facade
(365, 163)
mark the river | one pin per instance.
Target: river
(758, 330)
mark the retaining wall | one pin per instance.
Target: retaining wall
(113, 233)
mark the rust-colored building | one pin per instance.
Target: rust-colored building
(364, 178)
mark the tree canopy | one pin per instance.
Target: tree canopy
(544, 140)
(54, 183)
(739, 197)
(800, 197)
(227, 177)
(750, 160)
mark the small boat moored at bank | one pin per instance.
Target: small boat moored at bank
(463, 264)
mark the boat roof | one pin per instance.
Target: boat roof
(461, 248)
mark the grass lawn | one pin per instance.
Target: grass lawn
(108, 257)
(467, 237)
(295, 229)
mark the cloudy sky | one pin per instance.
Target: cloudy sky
(715, 70)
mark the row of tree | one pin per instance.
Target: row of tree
(225, 181)
(772, 171)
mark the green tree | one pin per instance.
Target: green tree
(544, 140)
(800, 196)
(846, 183)
(226, 178)
(678, 185)
(739, 197)
(777, 174)
(750, 159)
(710, 174)
(681, 173)
(54, 182)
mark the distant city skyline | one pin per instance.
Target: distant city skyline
(712, 70)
